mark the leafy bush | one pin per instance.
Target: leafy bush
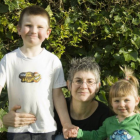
(106, 29)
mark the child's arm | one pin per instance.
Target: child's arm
(61, 108)
(86, 135)
(99, 134)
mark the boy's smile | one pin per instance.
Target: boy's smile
(34, 30)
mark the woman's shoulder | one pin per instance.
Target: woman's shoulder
(102, 107)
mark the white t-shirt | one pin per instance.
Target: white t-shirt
(29, 83)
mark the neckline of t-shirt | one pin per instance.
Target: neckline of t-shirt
(30, 58)
(125, 118)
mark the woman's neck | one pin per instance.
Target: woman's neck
(82, 110)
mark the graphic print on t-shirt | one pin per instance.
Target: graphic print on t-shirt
(30, 77)
(121, 135)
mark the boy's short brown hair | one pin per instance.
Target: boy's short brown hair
(34, 10)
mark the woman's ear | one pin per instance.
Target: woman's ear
(98, 87)
(69, 85)
(99, 84)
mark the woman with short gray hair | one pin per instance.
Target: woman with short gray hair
(84, 83)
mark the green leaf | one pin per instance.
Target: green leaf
(67, 20)
(107, 29)
(48, 9)
(136, 41)
(73, 3)
(1, 28)
(131, 56)
(93, 2)
(133, 65)
(14, 4)
(108, 48)
(3, 8)
(2, 127)
(117, 18)
(117, 57)
(138, 60)
(129, 17)
(136, 21)
(97, 57)
(123, 28)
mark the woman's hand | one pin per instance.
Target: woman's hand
(14, 119)
(70, 131)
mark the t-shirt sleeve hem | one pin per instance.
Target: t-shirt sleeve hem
(59, 85)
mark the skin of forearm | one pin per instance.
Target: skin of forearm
(61, 107)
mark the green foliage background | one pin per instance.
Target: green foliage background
(109, 30)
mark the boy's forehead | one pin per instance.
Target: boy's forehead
(31, 17)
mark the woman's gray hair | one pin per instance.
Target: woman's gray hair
(84, 64)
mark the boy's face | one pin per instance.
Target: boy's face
(34, 30)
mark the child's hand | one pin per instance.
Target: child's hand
(73, 133)
(69, 129)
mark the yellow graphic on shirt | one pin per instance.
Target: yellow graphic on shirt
(30, 77)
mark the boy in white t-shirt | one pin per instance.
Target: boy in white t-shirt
(34, 78)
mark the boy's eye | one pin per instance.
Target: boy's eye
(28, 25)
(40, 27)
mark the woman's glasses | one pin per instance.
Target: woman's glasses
(79, 82)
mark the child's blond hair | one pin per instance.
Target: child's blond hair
(127, 86)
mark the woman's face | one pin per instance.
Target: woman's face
(84, 86)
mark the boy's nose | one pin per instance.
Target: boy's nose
(34, 29)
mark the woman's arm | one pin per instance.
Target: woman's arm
(61, 108)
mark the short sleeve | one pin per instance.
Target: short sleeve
(58, 80)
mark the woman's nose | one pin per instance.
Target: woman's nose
(84, 85)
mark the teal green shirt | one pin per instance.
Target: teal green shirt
(128, 129)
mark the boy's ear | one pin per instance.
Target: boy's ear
(68, 85)
(48, 33)
(18, 29)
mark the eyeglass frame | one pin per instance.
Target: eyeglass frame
(79, 84)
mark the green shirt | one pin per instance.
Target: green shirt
(128, 129)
